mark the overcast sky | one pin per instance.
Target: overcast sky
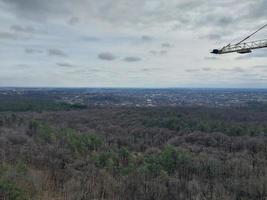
(129, 43)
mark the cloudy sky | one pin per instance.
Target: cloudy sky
(129, 43)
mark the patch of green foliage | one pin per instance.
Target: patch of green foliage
(9, 190)
(8, 187)
(41, 132)
(168, 160)
(119, 160)
(67, 137)
(79, 143)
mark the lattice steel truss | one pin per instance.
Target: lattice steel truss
(242, 46)
(245, 47)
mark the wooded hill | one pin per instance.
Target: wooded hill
(134, 153)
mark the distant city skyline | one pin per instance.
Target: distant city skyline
(129, 44)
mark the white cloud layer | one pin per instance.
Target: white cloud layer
(114, 43)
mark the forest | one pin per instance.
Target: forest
(128, 153)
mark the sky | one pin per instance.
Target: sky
(130, 43)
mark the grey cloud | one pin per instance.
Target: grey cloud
(153, 52)
(91, 39)
(65, 65)
(73, 21)
(7, 36)
(146, 38)
(166, 45)
(36, 9)
(28, 5)
(187, 14)
(23, 66)
(188, 5)
(106, 56)
(150, 69)
(163, 52)
(18, 28)
(216, 19)
(212, 36)
(258, 10)
(238, 69)
(192, 70)
(206, 69)
(251, 76)
(146, 70)
(32, 51)
(56, 52)
(263, 67)
(158, 53)
(224, 21)
(235, 69)
(93, 70)
(132, 59)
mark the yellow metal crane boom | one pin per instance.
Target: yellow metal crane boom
(243, 47)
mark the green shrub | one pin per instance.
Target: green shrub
(79, 143)
(151, 166)
(90, 141)
(21, 168)
(167, 161)
(45, 134)
(41, 132)
(71, 140)
(9, 190)
(172, 158)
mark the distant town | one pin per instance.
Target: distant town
(142, 97)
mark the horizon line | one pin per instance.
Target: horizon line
(74, 87)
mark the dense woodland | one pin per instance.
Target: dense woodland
(190, 153)
(34, 102)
